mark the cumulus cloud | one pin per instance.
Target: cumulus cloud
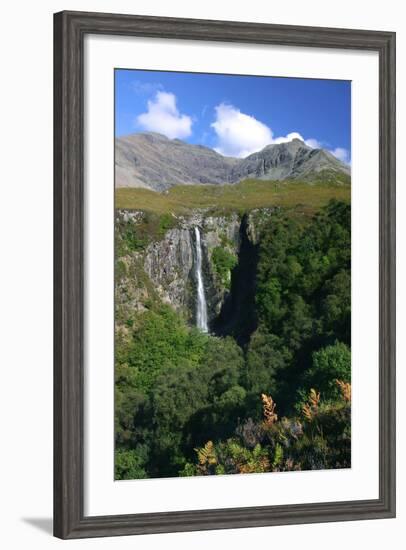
(313, 143)
(239, 134)
(288, 137)
(163, 116)
(342, 154)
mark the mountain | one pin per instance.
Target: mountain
(290, 160)
(155, 162)
(152, 161)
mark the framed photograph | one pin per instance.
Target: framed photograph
(224, 275)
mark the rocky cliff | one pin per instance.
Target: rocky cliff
(163, 267)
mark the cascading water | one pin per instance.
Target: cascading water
(201, 306)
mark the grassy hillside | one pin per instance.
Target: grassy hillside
(243, 196)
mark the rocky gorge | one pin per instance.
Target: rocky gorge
(163, 266)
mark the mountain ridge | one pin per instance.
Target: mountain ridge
(152, 161)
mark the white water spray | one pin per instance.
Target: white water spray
(201, 306)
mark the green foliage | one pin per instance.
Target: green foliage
(335, 306)
(129, 464)
(302, 265)
(318, 441)
(159, 341)
(303, 297)
(166, 222)
(266, 359)
(178, 389)
(223, 263)
(135, 235)
(128, 239)
(174, 387)
(328, 365)
(278, 456)
(229, 457)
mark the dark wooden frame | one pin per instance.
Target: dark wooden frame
(69, 31)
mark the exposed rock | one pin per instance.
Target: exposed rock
(254, 222)
(166, 267)
(291, 160)
(170, 262)
(132, 290)
(153, 161)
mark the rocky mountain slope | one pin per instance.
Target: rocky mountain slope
(152, 161)
(291, 160)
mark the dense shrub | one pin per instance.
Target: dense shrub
(223, 262)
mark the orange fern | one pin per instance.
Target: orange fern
(269, 406)
(311, 408)
(345, 389)
(207, 454)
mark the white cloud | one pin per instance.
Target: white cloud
(342, 154)
(288, 137)
(163, 116)
(239, 134)
(313, 143)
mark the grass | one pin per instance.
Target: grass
(240, 197)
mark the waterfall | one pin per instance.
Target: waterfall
(201, 306)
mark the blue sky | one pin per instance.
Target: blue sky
(236, 115)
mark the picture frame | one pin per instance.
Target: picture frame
(70, 28)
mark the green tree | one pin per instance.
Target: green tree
(129, 464)
(328, 365)
(265, 361)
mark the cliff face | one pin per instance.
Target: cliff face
(165, 267)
